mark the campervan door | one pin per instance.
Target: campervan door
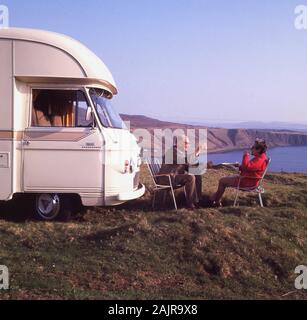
(62, 149)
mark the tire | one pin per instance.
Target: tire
(52, 206)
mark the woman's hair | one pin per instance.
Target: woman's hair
(261, 146)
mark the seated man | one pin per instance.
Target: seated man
(176, 164)
(251, 170)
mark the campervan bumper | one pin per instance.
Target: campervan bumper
(126, 196)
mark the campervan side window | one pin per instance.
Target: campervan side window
(59, 108)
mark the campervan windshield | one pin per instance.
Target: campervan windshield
(108, 116)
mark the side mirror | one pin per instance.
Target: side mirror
(89, 116)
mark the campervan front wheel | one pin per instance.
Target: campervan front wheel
(50, 207)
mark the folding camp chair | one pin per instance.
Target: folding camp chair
(154, 166)
(257, 189)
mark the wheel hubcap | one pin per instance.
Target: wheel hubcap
(48, 205)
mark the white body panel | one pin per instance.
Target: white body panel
(125, 148)
(76, 160)
(70, 165)
(89, 65)
(38, 67)
(6, 119)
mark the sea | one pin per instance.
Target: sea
(284, 159)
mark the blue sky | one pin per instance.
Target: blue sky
(196, 60)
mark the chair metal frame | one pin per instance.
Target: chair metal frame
(258, 189)
(154, 166)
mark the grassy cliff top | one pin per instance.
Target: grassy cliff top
(131, 252)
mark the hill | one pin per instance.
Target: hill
(131, 252)
(221, 139)
(140, 121)
(274, 125)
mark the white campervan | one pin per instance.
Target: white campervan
(60, 138)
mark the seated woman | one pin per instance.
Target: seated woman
(251, 170)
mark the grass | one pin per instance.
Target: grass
(131, 252)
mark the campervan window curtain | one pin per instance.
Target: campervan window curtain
(54, 108)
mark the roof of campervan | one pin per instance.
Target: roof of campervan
(48, 54)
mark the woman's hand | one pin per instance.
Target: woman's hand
(246, 152)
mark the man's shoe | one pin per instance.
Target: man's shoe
(217, 204)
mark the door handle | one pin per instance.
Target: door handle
(25, 142)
